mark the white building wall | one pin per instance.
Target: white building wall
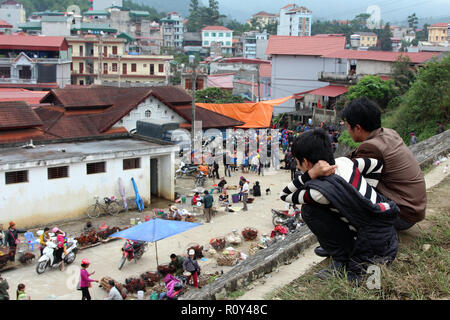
(365, 67)
(207, 38)
(160, 114)
(41, 200)
(103, 4)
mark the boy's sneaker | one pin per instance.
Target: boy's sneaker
(336, 268)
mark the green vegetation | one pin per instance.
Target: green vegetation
(345, 139)
(52, 5)
(373, 87)
(216, 95)
(200, 16)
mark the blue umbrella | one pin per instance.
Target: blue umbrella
(155, 230)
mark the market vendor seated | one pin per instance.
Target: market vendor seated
(174, 212)
(177, 263)
(223, 197)
(196, 198)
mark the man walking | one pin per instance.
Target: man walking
(208, 201)
(244, 192)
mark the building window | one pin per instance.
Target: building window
(148, 113)
(133, 67)
(114, 67)
(206, 34)
(220, 34)
(206, 43)
(96, 167)
(131, 163)
(114, 49)
(160, 68)
(228, 43)
(58, 172)
(16, 177)
(213, 34)
(25, 72)
(152, 69)
(5, 72)
(228, 35)
(81, 51)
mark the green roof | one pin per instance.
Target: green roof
(140, 13)
(54, 19)
(96, 13)
(126, 36)
(86, 26)
(35, 25)
(49, 13)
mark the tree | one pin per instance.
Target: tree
(360, 21)
(402, 74)
(427, 101)
(413, 21)
(194, 23)
(385, 38)
(373, 87)
(216, 95)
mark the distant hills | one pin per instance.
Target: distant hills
(180, 6)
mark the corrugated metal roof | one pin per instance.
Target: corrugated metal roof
(301, 46)
(33, 42)
(329, 91)
(388, 56)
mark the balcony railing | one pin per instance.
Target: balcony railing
(37, 60)
(18, 81)
(337, 77)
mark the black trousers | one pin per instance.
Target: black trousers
(332, 233)
(85, 294)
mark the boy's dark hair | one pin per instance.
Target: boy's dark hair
(111, 283)
(46, 229)
(173, 256)
(364, 112)
(206, 192)
(313, 145)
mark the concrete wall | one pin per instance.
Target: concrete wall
(41, 200)
(365, 67)
(294, 74)
(56, 28)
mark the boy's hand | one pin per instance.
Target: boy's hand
(321, 169)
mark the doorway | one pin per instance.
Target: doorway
(154, 190)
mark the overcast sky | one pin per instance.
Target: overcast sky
(391, 10)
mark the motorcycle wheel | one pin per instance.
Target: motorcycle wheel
(277, 220)
(122, 262)
(114, 208)
(40, 268)
(71, 257)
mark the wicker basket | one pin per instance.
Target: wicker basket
(227, 260)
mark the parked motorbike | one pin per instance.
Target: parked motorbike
(283, 218)
(200, 180)
(186, 169)
(132, 250)
(48, 258)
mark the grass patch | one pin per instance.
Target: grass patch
(235, 294)
(420, 271)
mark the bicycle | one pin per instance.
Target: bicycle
(111, 206)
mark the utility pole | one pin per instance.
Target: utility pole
(194, 80)
(258, 82)
(118, 68)
(100, 59)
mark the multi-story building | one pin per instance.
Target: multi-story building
(12, 12)
(294, 21)
(264, 18)
(439, 33)
(34, 62)
(363, 39)
(102, 60)
(255, 44)
(172, 29)
(218, 35)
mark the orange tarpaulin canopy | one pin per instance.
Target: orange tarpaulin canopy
(255, 115)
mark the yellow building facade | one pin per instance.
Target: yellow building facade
(368, 39)
(106, 60)
(438, 33)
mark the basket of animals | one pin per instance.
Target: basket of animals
(249, 234)
(250, 200)
(227, 259)
(217, 243)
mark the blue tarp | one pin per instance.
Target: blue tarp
(155, 230)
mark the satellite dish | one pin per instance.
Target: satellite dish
(74, 8)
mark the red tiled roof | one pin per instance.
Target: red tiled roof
(31, 97)
(304, 46)
(416, 57)
(4, 24)
(289, 5)
(213, 28)
(17, 115)
(329, 91)
(265, 14)
(47, 43)
(440, 25)
(223, 81)
(244, 60)
(265, 70)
